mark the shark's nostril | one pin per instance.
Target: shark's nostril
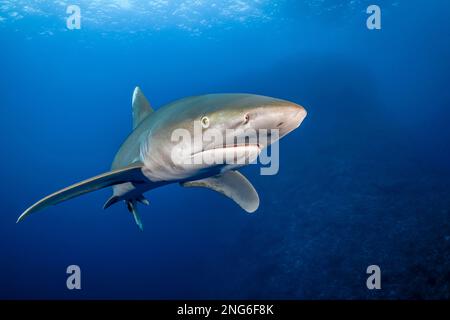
(280, 124)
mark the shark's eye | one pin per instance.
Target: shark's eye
(246, 118)
(205, 122)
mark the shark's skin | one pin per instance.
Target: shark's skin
(144, 161)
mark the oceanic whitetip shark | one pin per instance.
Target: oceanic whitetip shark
(145, 160)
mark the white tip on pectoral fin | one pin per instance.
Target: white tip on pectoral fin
(233, 185)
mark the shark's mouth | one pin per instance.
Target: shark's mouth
(229, 147)
(227, 154)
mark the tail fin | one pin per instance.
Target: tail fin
(132, 207)
(131, 173)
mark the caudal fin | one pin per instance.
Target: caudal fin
(131, 173)
(132, 207)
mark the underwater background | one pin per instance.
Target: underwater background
(365, 179)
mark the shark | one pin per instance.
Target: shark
(150, 157)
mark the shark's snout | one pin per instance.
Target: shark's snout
(291, 116)
(296, 114)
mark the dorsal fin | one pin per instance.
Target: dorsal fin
(141, 107)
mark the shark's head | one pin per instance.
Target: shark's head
(205, 134)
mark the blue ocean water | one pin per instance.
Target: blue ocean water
(365, 180)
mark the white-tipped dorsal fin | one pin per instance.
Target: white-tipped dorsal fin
(141, 107)
(233, 185)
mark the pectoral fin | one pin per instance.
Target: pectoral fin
(131, 173)
(233, 185)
